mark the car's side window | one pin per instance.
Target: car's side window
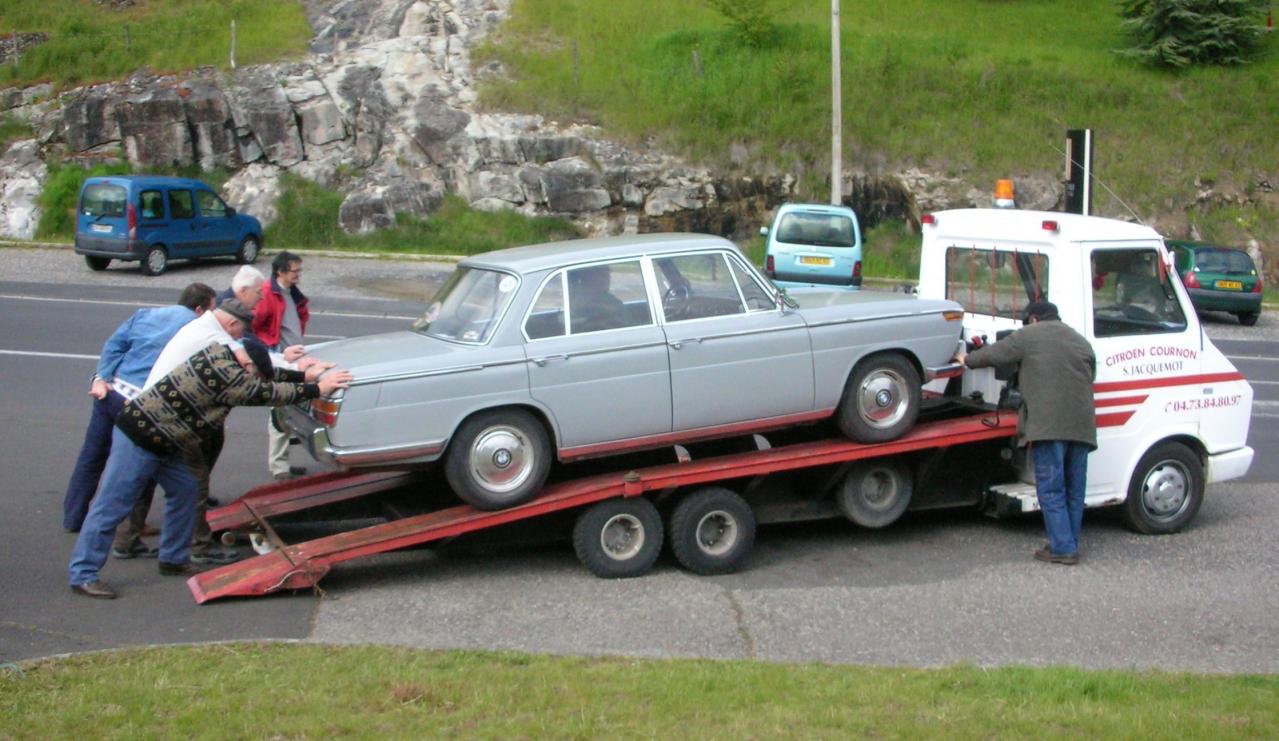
(697, 287)
(756, 298)
(546, 319)
(610, 296)
(181, 205)
(152, 204)
(211, 207)
(1133, 294)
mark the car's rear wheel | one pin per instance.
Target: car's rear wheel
(155, 261)
(248, 251)
(881, 400)
(97, 264)
(1248, 318)
(498, 459)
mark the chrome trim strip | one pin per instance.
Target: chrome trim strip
(598, 351)
(741, 333)
(438, 372)
(875, 318)
(367, 456)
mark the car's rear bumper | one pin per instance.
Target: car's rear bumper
(114, 248)
(814, 283)
(1225, 301)
(315, 437)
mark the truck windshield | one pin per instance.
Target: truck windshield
(468, 306)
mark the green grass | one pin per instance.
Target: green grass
(309, 691)
(970, 88)
(11, 130)
(89, 42)
(308, 217)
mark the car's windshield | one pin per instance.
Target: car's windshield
(826, 230)
(469, 306)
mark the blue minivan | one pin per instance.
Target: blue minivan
(155, 219)
(813, 245)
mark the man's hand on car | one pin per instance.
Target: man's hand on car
(338, 379)
(316, 369)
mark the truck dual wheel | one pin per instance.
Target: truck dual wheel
(618, 538)
(881, 400)
(155, 261)
(1165, 491)
(97, 264)
(248, 251)
(875, 494)
(498, 459)
(711, 531)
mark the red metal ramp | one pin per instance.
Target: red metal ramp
(304, 564)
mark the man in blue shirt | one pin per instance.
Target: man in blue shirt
(123, 367)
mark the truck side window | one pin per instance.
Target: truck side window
(1132, 293)
(995, 282)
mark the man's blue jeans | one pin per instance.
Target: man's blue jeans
(92, 459)
(1061, 473)
(128, 470)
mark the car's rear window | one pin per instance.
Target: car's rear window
(825, 230)
(103, 199)
(1223, 261)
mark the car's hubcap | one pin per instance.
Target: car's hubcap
(250, 250)
(878, 489)
(155, 261)
(717, 532)
(502, 459)
(622, 537)
(881, 400)
(1164, 492)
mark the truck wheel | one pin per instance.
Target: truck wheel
(618, 538)
(881, 400)
(1165, 491)
(498, 459)
(248, 251)
(155, 261)
(1248, 318)
(97, 264)
(711, 531)
(875, 494)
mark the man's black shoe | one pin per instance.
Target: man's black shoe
(137, 550)
(95, 589)
(297, 470)
(179, 569)
(1043, 554)
(213, 502)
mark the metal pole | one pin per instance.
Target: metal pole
(232, 43)
(836, 120)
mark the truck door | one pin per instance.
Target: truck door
(1148, 355)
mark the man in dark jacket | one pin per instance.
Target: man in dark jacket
(160, 435)
(1056, 367)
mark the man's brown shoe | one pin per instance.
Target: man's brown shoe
(179, 569)
(1043, 554)
(95, 589)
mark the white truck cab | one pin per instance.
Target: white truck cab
(1172, 411)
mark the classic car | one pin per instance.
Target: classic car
(596, 347)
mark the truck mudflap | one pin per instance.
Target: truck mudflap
(303, 565)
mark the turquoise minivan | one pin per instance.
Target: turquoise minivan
(813, 245)
(154, 219)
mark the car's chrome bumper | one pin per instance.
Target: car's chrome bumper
(315, 437)
(950, 370)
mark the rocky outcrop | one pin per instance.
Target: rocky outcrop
(22, 176)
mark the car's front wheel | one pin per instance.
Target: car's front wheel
(881, 400)
(498, 459)
(248, 251)
(1165, 491)
(155, 261)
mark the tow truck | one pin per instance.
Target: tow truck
(1172, 412)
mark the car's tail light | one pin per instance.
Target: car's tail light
(1191, 280)
(325, 410)
(953, 316)
(133, 222)
(1256, 287)
(857, 271)
(769, 268)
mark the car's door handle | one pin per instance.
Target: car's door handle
(677, 344)
(547, 358)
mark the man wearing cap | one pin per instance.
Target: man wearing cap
(1056, 367)
(162, 434)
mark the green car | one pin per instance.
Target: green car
(1219, 279)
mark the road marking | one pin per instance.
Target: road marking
(140, 304)
(72, 356)
(1252, 357)
(1269, 409)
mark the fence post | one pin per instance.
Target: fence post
(128, 39)
(576, 65)
(697, 63)
(232, 43)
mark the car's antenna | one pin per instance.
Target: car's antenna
(1102, 184)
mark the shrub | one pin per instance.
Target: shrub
(58, 199)
(1179, 33)
(751, 20)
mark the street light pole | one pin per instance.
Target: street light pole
(836, 120)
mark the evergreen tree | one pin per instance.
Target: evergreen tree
(1178, 33)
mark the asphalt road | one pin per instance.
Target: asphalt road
(932, 590)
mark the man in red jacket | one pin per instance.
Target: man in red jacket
(279, 320)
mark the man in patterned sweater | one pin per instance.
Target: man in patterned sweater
(159, 435)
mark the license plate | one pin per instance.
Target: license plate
(813, 260)
(1229, 285)
(101, 228)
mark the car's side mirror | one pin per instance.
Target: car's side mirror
(763, 231)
